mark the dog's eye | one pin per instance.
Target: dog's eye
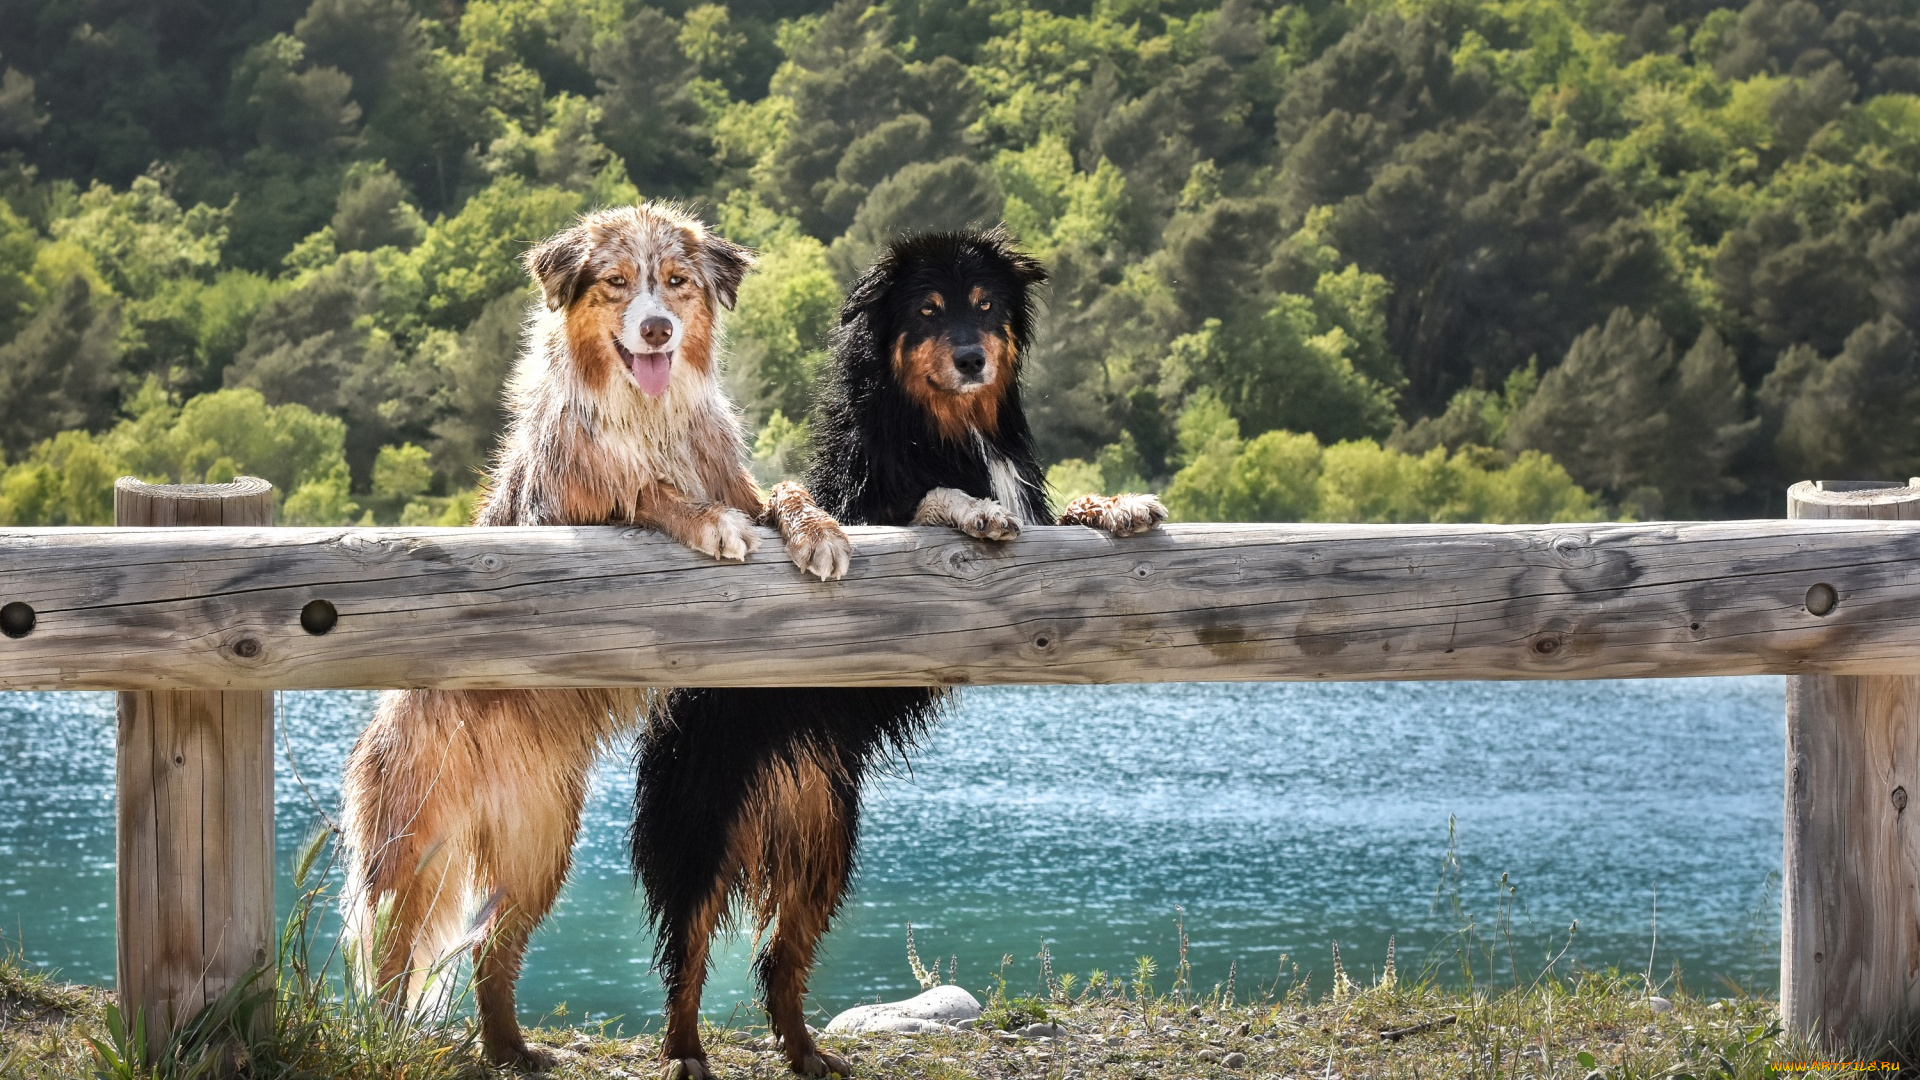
(616, 281)
(986, 305)
(926, 311)
(676, 280)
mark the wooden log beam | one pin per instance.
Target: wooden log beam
(534, 607)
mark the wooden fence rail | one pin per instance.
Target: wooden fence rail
(531, 607)
(243, 610)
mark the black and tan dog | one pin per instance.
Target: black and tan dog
(754, 794)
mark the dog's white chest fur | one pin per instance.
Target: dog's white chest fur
(1006, 482)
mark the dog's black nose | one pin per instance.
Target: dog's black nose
(655, 331)
(969, 360)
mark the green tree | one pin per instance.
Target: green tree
(1850, 417)
(291, 106)
(951, 193)
(401, 475)
(19, 293)
(468, 259)
(66, 480)
(779, 328)
(141, 238)
(58, 373)
(373, 212)
(20, 117)
(1628, 417)
(650, 117)
(470, 375)
(316, 346)
(782, 450)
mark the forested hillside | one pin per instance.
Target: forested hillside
(1366, 260)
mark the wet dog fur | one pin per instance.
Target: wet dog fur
(754, 794)
(617, 417)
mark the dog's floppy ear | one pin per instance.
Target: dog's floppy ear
(559, 266)
(863, 296)
(1025, 267)
(727, 263)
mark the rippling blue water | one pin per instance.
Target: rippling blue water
(1278, 817)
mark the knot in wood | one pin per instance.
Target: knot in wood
(246, 648)
(963, 562)
(1899, 800)
(1547, 645)
(1572, 550)
(1142, 570)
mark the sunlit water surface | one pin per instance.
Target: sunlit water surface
(1278, 818)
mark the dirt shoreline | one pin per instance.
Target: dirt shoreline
(1590, 1026)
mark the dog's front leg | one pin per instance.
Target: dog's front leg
(815, 542)
(1121, 515)
(981, 518)
(708, 528)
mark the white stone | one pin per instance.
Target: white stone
(1659, 1005)
(939, 1009)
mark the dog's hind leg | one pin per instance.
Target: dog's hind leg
(684, 953)
(811, 822)
(522, 894)
(529, 818)
(694, 838)
(404, 817)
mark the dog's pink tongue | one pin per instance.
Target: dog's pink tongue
(652, 370)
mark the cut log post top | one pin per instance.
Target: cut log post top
(247, 500)
(563, 606)
(1854, 500)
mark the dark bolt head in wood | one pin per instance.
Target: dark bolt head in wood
(16, 619)
(318, 617)
(1821, 599)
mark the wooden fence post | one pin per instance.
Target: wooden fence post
(195, 785)
(1850, 878)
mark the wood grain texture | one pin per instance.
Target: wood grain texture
(195, 786)
(603, 606)
(1850, 880)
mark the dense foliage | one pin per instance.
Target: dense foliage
(1339, 259)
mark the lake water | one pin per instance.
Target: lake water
(1275, 818)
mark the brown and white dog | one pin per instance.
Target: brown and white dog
(460, 797)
